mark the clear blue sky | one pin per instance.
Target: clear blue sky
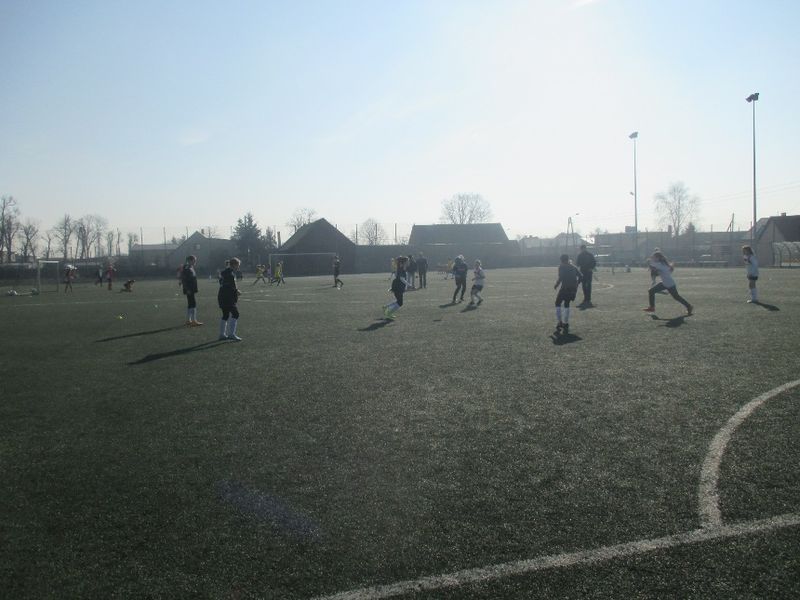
(186, 114)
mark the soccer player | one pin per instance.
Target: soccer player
(337, 267)
(664, 268)
(751, 262)
(69, 276)
(459, 270)
(259, 274)
(278, 278)
(568, 278)
(189, 285)
(411, 271)
(227, 297)
(99, 277)
(398, 288)
(110, 275)
(478, 281)
(586, 263)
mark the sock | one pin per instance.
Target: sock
(754, 294)
(233, 327)
(193, 314)
(558, 313)
(188, 314)
(223, 327)
(566, 314)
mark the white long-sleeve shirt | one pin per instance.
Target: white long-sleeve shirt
(751, 262)
(664, 271)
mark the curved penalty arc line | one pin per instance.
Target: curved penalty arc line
(708, 493)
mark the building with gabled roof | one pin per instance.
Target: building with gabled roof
(772, 230)
(310, 248)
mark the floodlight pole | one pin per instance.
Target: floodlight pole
(634, 136)
(751, 99)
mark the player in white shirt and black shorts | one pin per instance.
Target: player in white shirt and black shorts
(751, 262)
(664, 268)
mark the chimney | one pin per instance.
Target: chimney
(783, 214)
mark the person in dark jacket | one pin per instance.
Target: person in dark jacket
(227, 298)
(586, 263)
(189, 285)
(411, 271)
(337, 268)
(568, 278)
(422, 269)
(460, 270)
(398, 288)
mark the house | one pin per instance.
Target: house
(151, 254)
(311, 249)
(211, 252)
(486, 241)
(771, 233)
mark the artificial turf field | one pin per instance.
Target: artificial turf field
(459, 453)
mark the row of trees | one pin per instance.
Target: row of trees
(90, 235)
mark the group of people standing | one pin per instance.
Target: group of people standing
(227, 296)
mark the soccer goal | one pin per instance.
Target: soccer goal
(304, 263)
(48, 274)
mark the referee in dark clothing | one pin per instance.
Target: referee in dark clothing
(586, 263)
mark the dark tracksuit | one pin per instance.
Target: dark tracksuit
(422, 268)
(586, 263)
(460, 274)
(189, 284)
(228, 294)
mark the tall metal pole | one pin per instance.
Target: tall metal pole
(635, 191)
(752, 100)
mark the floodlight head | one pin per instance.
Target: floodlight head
(752, 97)
(634, 135)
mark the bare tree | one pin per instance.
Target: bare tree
(676, 207)
(49, 235)
(119, 242)
(9, 225)
(465, 209)
(30, 238)
(300, 217)
(110, 237)
(63, 232)
(133, 239)
(373, 232)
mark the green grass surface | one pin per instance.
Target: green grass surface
(329, 451)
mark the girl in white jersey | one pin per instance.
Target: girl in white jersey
(479, 280)
(664, 268)
(751, 262)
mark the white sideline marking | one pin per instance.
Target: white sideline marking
(708, 495)
(583, 557)
(710, 520)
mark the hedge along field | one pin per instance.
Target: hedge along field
(330, 451)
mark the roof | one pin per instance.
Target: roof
(475, 233)
(787, 225)
(311, 233)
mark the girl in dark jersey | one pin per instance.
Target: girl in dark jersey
(227, 297)
(189, 285)
(398, 288)
(568, 278)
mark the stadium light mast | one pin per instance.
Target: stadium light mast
(751, 99)
(634, 136)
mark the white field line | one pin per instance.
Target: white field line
(708, 494)
(710, 518)
(583, 557)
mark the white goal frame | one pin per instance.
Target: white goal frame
(39, 264)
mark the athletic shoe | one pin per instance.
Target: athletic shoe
(566, 327)
(385, 311)
(649, 309)
(390, 316)
(234, 338)
(195, 323)
(559, 326)
(222, 338)
(689, 310)
(471, 304)
(479, 301)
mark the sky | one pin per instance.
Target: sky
(174, 116)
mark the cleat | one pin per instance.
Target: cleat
(566, 327)
(195, 324)
(559, 326)
(235, 338)
(689, 310)
(649, 309)
(479, 301)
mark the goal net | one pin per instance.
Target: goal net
(304, 263)
(48, 273)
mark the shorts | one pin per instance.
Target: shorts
(753, 277)
(566, 294)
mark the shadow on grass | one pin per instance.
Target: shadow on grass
(583, 306)
(560, 339)
(178, 352)
(378, 324)
(469, 308)
(770, 307)
(130, 335)
(673, 322)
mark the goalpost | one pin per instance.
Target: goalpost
(304, 263)
(47, 275)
